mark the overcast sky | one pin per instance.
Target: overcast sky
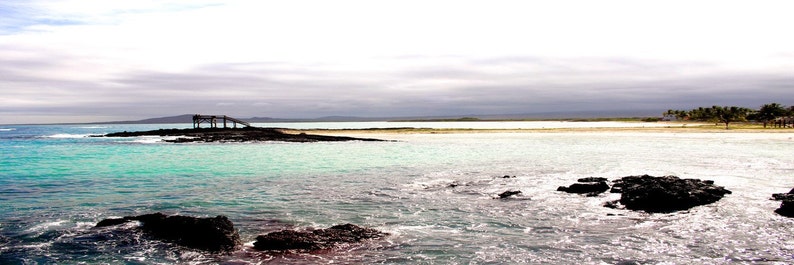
(83, 60)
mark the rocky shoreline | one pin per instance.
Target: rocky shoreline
(787, 203)
(246, 134)
(217, 234)
(317, 239)
(665, 194)
(651, 194)
(211, 234)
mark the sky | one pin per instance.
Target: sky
(101, 60)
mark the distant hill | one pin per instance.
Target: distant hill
(188, 118)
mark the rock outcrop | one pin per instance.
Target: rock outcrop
(247, 134)
(212, 233)
(591, 186)
(508, 194)
(666, 194)
(315, 239)
(787, 203)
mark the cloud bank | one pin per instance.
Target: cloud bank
(96, 60)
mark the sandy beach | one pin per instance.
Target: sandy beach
(673, 128)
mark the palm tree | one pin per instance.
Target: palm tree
(703, 114)
(769, 112)
(730, 114)
(681, 114)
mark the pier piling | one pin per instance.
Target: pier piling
(198, 119)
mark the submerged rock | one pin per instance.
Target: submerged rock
(666, 194)
(212, 233)
(315, 239)
(787, 203)
(592, 179)
(591, 186)
(508, 194)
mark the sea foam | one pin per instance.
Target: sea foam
(69, 136)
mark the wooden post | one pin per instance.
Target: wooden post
(213, 121)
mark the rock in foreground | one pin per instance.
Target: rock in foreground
(508, 194)
(590, 186)
(787, 205)
(212, 233)
(315, 239)
(666, 194)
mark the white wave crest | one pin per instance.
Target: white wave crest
(7, 129)
(154, 139)
(148, 139)
(69, 136)
(45, 226)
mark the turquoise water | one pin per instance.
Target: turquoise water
(56, 183)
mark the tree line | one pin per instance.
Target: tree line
(726, 114)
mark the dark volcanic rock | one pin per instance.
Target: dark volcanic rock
(592, 179)
(315, 239)
(591, 186)
(212, 233)
(112, 221)
(246, 134)
(666, 194)
(786, 208)
(787, 205)
(783, 196)
(507, 194)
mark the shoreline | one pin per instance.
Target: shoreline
(669, 129)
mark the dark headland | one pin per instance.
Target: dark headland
(246, 134)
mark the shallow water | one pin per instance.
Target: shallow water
(433, 193)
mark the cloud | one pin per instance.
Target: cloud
(469, 88)
(306, 58)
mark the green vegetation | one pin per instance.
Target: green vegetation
(769, 112)
(727, 115)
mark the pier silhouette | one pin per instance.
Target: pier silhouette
(198, 119)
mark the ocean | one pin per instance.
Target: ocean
(433, 193)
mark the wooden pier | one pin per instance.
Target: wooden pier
(783, 122)
(198, 119)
